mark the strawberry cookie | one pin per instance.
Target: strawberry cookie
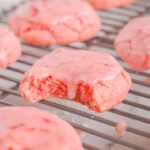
(107, 4)
(133, 43)
(27, 128)
(94, 79)
(48, 22)
(10, 48)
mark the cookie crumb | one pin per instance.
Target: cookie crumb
(121, 127)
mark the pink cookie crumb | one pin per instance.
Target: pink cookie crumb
(121, 128)
(147, 80)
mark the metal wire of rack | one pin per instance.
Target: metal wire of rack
(98, 128)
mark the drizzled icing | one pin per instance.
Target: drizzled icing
(72, 67)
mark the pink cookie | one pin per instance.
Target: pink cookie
(107, 4)
(94, 79)
(10, 48)
(26, 128)
(133, 43)
(47, 22)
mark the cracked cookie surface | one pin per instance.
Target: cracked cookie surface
(48, 22)
(94, 79)
(27, 128)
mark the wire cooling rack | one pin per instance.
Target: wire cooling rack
(98, 128)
